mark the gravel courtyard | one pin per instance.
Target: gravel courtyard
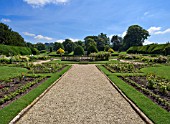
(82, 96)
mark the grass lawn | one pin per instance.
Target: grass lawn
(162, 71)
(10, 111)
(10, 72)
(157, 114)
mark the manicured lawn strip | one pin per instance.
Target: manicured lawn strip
(129, 74)
(161, 71)
(157, 114)
(104, 70)
(10, 72)
(10, 111)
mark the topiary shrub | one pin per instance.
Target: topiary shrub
(111, 50)
(79, 50)
(60, 51)
(92, 49)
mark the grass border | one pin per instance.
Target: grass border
(157, 114)
(11, 111)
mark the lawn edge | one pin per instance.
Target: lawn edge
(26, 109)
(135, 108)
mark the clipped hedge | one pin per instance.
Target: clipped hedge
(14, 50)
(163, 49)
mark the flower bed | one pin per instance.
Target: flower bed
(9, 90)
(156, 88)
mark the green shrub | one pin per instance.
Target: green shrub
(101, 55)
(92, 49)
(79, 50)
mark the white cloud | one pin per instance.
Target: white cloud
(147, 42)
(157, 30)
(40, 37)
(153, 30)
(5, 20)
(40, 3)
(59, 41)
(72, 39)
(146, 13)
(124, 33)
(29, 34)
(163, 32)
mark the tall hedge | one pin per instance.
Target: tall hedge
(14, 50)
(163, 49)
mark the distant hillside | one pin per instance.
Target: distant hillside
(14, 50)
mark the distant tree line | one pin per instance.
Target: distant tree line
(135, 36)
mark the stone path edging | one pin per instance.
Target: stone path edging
(138, 111)
(24, 111)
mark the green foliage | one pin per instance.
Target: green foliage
(99, 41)
(34, 51)
(117, 42)
(58, 46)
(79, 50)
(10, 37)
(135, 36)
(151, 49)
(40, 46)
(100, 56)
(68, 45)
(14, 50)
(92, 49)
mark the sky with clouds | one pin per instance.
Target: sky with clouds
(56, 20)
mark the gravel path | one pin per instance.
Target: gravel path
(82, 96)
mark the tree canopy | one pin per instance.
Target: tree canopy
(135, 36)
(79, 50)
(117, 42)
(10, 37)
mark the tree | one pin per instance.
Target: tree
(101, 40)
(79, 50)
(68, 45)
(40, 46)
(135, 36)
(89, 42)
(60, 51)
(58, 45)
(117, 42)
(10, 37)
(92, 49)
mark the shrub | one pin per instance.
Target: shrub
(100, 55)
(92, 49)
(111, 50)
(34, 51)
(43, 51)
(79, 50)
(60, 51)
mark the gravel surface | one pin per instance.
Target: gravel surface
(82, 96)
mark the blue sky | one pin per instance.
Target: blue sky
(56, 20)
